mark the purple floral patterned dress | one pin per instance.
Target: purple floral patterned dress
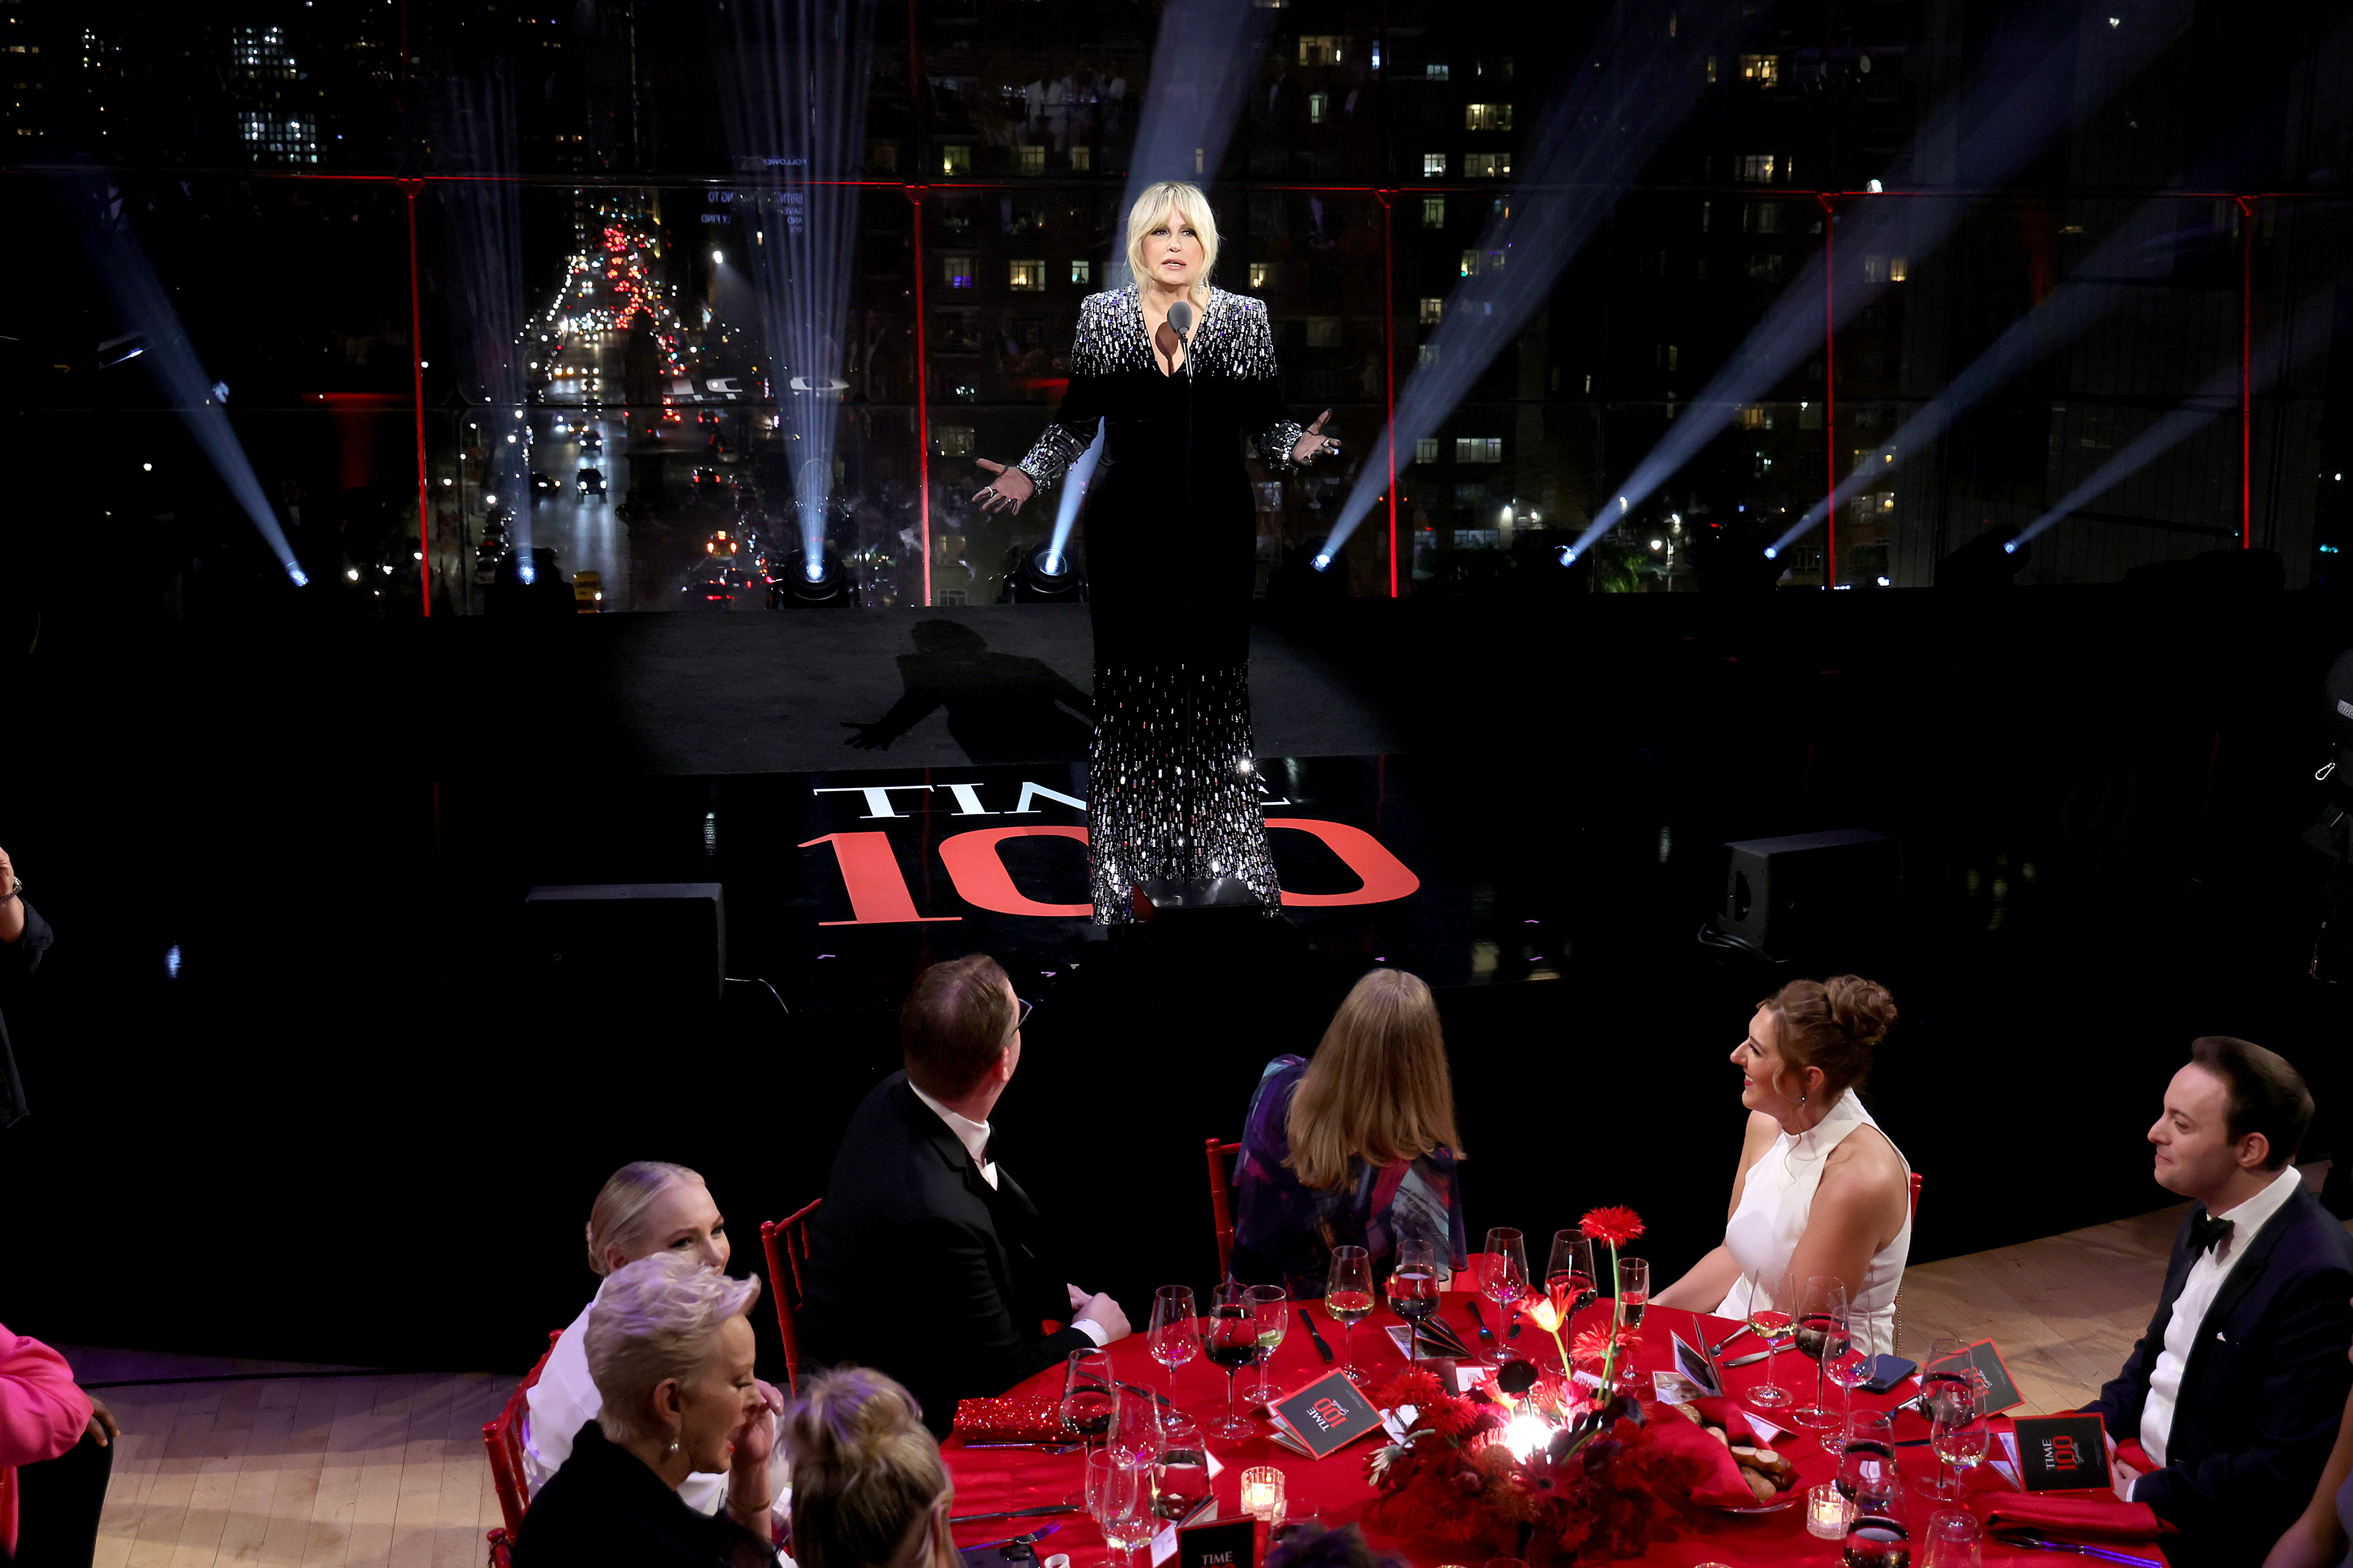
(1284, 1231)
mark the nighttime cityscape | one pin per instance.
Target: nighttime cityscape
(1387, 571)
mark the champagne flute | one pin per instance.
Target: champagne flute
(1173, 1336)
(1821, 1305)
(1504, 1278)
(1089, 1396)
(1413, 1289)
(1348, 1299)
(1230, 1339)
(1633, 1288)
(1772, 1322)
(1272, 1303)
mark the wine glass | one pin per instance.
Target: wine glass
(1174, 1334)
(1348, 1298)
(1848, 1364)
(1957, 1433)
(1134, 1421)
(1413, 1289)
(1180, 1470)
(1568, 1276)
(1877, 1540)
(1271, 1304)
(1633, 1288)
(1952, 1540)
(1230, 1339)
(1119, 1497)
(1818, 1306)
(1866, 1473)
(1770, 1320)
(1503, 1277)
(1089, 1395)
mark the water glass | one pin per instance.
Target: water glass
(1866, 1472)
(1173, 1336)
(1951, 1541)
(1877, 1540)
(1504, 1279)
(1272, 1305)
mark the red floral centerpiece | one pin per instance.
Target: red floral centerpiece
(1530, 1463)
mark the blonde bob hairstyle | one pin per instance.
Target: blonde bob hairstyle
(1187, 205)
(655, 1319)
(868, 1480)
(1378, 1087)
(618, 1216)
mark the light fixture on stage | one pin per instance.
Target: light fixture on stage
(1045, 576)
(1988, 561)
(825, 584)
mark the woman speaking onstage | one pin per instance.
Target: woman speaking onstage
(1179, 372)
(1822, 1191)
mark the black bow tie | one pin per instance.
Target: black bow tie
(2205, 1231)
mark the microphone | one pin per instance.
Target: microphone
(1180, 316)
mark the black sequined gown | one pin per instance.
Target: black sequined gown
(1172, 794)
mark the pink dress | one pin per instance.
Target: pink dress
(42, 1415)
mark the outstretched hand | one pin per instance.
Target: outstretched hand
(1010, 488)
(1314, 443)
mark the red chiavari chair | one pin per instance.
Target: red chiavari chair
(502, 1435)
(1221, 1157)
(787, 1243)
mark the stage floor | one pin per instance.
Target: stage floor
(390, 1471)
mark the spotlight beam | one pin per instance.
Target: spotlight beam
(486, 295)
(2305, 333)
(798, 115)
(1201, 65)
(1601, 126)
(172, 359)
(2024, 94)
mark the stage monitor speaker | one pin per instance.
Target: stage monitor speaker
(1809, 895)
(656, 944)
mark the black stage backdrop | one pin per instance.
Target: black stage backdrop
(356, 1127)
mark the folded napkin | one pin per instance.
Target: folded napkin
(1018, 1418)
(1732, 1417)
(1720, 1483)
(2077, 1518)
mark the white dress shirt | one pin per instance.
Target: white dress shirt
(2190, 1308)
(973, 1136)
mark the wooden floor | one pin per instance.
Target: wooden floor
(368, 1470)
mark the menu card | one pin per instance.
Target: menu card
(1227, 1543)
(2001, 1389)
(2062, 1453)
(1326, 1416)
(1697, 1365)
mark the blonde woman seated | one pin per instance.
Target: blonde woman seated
(671, 1353)
(1820, 1190)
(646, 1208)
(1357, 1148)
(870, 1490)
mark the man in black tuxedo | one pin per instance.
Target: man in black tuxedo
(928, 1261)
(2235, 1390)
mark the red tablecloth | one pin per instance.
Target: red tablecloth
(1336, 1491)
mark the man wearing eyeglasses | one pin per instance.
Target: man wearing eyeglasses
(928, 1261)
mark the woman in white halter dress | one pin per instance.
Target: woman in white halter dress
(1822, 1189)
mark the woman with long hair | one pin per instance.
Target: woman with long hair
(1173, 814)
(870, 1489)
(1356, 1148)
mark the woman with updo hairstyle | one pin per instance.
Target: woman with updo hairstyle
(870, 1490)
(647, 1207)
(1820, 1190)
(671, 1350)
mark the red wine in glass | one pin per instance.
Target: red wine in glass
(1413, 1296)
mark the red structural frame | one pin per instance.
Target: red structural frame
(412, 185)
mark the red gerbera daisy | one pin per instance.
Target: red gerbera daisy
(1616, 1225)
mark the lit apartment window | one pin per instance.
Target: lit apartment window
(1033, 160)
(1486, 166)
(1435, 71)
(1667, 356)
(1083, 160)
(956, 160)
(958, 270)
(1478, 448)
(1809, 415)
(1760, 217)
(1083, 273)
(1319, 106)
(1760, 465)
(1261, 272)
(1431, 308)
(955, 440)
(1433, 212)
(279, 138)
(1765, 266)
(259, 52)
(1470, 264)
(1433, 165)
(1762, 69)
(1319, 49)
(1898, 269)
(1486, 117)
(1425, 356)
(1755, 168)
(1426, 449)
(882, 157)
(1026, 277)
(1322, 331)
(1711, 68)
(1752, 416)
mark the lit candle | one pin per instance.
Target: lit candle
(1827, 1513)
(1263, 1493)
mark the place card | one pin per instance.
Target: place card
(1226, 1543)
(1696, 1364)
(2001, 1389)
(1326, 1416)
(2062, 1453)
(1164, 1544)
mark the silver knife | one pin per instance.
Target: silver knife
(1755, 1356)
(1018, 1513)
(1031, 1539)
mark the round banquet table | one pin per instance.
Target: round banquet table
(1336, 1491)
